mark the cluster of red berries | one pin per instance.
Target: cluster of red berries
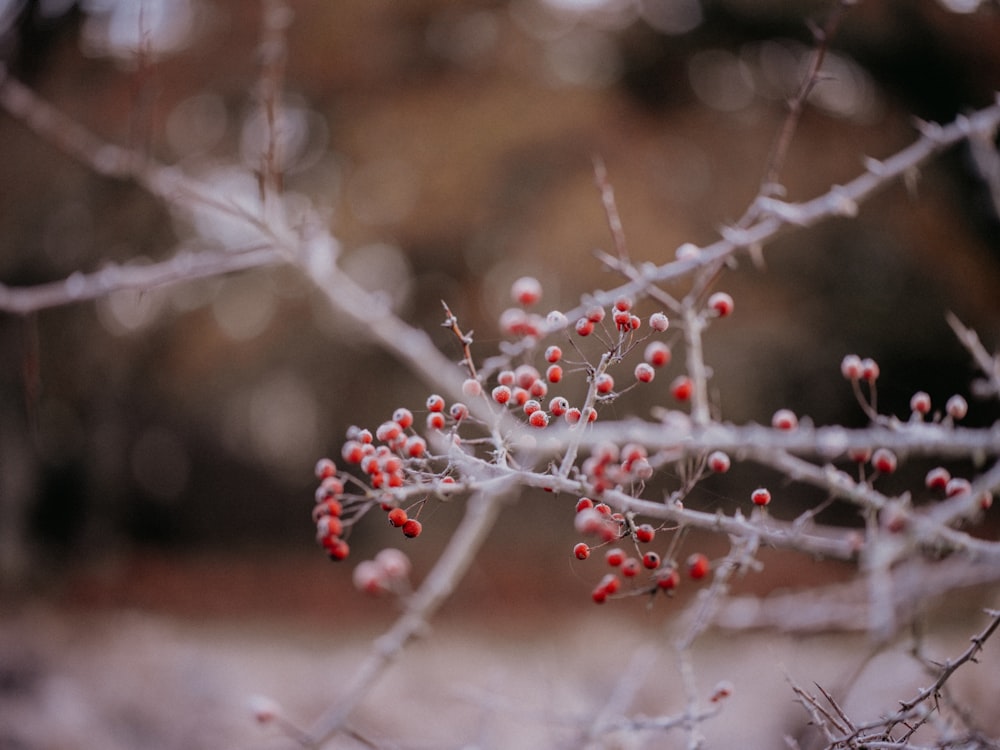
(939, 478)
(525, 387)
(598, 520)
(883, 460)
(385, 457)
(328, 511)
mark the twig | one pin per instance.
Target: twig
(770, 185)
(989, 364)
(610, 208)
(183, 267)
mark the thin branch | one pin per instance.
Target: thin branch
(770, 184)
(988, 363)
(276, 16)
(610, 208)
(183, 267)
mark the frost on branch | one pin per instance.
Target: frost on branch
(609, 407)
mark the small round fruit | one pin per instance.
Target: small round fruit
(412, 528)
(761, 496)
(644, 533)
(697, 566)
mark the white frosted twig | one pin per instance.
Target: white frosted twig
(185, 266)
(844, 606)
(840, 200)
(989, 364)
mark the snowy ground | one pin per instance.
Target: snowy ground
(124, 674)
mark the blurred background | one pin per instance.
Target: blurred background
(156, 450)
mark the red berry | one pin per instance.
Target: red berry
(623, 304)
(884, 461)
(472, 387)
(338, 550)
(722, 303)
(681, 388)
(581, 551)
(650, 561)
(553, 354)
(657, 354)
(667, 578)
(458, 411)
(415, 446)
(644, 533)
(721, 691)
(697, 566)
(554, 373)
(644, 372)
(957, 486)
(869, 369)
(595, 314)
(584, 503)
(435, 403)
(659, 322)
(514, 321)
(501, 394)
(526, 290)
(531, 406)
(435, 420)
(850, 367)
(610, 583)
(920, 403)
(589, 414)
(387, 431)
(330, 507)
(325, 468)
(584, 327)
(573, 415)
(352, 452)
(329, 526)
(622, 319)
(393, 563)
(526, 375)
(403, 417)
(956, 407)
(599, 595)
(412, 528)
(538, 419)
(937, 478)
(859, 455)
(718, 462)
(397, 517)
(761, 496)
(604, 383)
(784, 419)
(558, 406)
(631, 567)
(614, 557)
(506, 377)
(369, 578)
